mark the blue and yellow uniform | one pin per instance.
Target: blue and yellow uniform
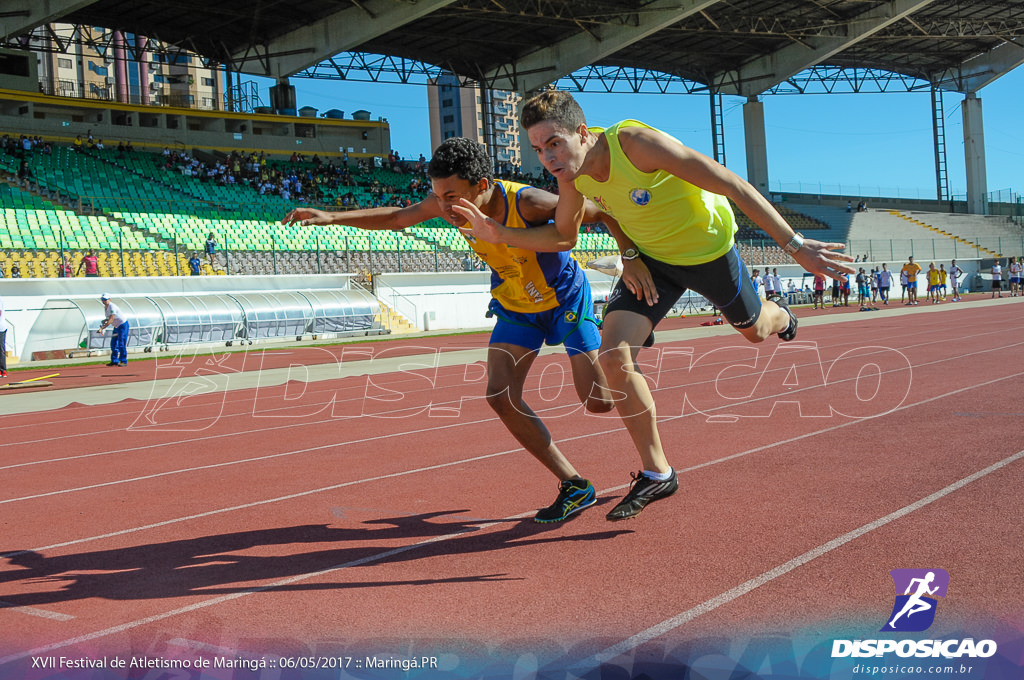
(537, 297)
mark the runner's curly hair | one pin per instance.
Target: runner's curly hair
(462, 157)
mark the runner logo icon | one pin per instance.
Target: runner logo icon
(916, 603)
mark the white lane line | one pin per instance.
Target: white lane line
(266, 413)
(728, 596)
(35, 611)
(505, 453)
(601, 657)
(375, 438)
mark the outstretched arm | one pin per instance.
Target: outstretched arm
(537, 207)
(370, 218)
(650, 150)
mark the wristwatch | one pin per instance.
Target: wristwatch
(795, 243)
(630, 254)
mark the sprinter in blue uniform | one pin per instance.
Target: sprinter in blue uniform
(539, 294)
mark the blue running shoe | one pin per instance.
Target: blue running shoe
(573, 495)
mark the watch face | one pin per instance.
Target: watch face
(630, 254)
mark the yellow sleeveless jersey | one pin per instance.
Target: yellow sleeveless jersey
(667, 218)
(522, 280)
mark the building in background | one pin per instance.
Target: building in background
(486, 116)
(96, 63)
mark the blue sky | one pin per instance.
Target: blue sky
(870, 144)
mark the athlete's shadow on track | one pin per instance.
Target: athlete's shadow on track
(210, 565)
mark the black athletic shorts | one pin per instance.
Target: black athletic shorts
(724, 282)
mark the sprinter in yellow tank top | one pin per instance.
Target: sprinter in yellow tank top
(675, 233)
(539, 293)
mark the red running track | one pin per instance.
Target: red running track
(394, 510)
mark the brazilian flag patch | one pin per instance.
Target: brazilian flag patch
(570, 317)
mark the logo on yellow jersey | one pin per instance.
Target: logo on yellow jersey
(604, 206)
(640, 196)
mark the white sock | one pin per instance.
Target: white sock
(658, 476)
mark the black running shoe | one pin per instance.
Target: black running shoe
(573, 495)
(644, 490)
(649, 342)
(790, 332)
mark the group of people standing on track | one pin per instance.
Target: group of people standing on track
(939, 282)
(668, 208)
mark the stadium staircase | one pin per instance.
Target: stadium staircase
(943, 234)
(897, 234)
(396, 322)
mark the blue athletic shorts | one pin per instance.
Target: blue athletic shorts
(572, 324)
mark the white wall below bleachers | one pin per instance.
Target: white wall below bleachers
(453, 300)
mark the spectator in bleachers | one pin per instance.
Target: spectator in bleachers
(16, 272)
(77, 144)
(91, 264)
(64, 268)
(24, 172)
(194, 264)
(211, 247)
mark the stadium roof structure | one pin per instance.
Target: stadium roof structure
(733, 47)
